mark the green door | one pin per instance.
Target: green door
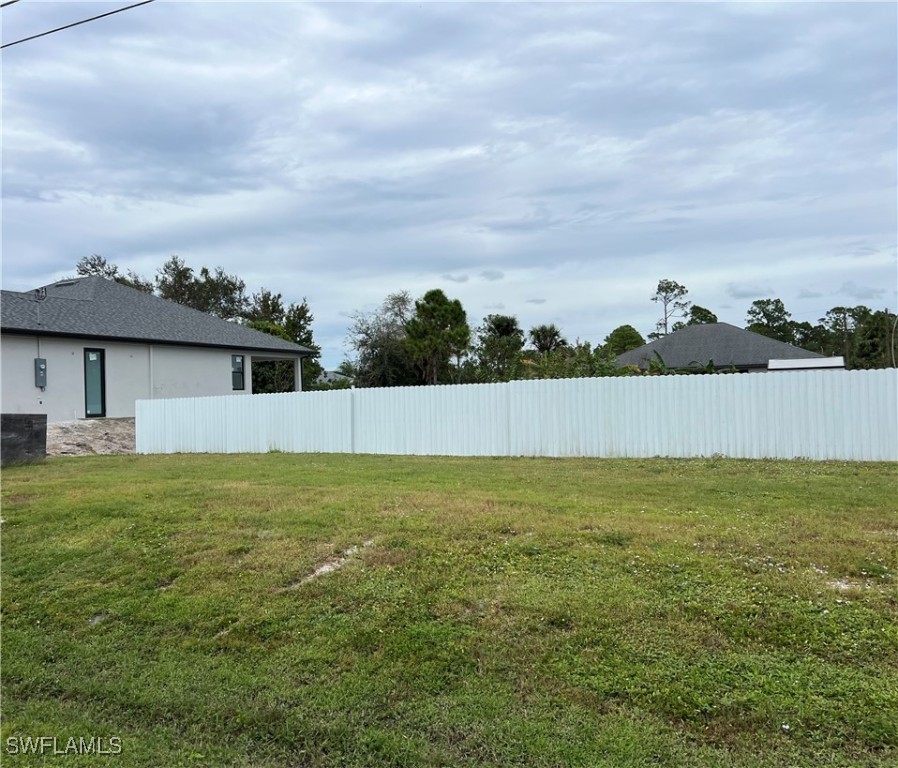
(95, 382)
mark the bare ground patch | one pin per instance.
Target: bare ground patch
(90, 437)
(330, 565)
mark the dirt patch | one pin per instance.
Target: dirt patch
(330, 565)
(89, 437)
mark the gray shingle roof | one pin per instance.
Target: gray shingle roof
(724, 344)
(94, 307)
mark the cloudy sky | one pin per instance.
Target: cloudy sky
(550, 161)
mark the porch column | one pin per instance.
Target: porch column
(297, 375)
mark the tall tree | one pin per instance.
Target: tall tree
(133, 280)
(175, 281)
(378, 340)
(810, 337)
(547, 338)
(696, 315)
(267, 314)
(670, 295)
(770, 318)
(270, 376)
(436, 333)
(266, 305)
(97, 265)
(221, 294)
(875, 343)
(216, 292)
(700, 316)
(623, 339)
(839, 329)
(498, 348)
(298, 319)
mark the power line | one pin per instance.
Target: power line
(9, 2)
(75, 24)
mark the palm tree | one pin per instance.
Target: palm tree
(547, 338)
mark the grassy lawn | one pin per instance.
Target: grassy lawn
(527, 612)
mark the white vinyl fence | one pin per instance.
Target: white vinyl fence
(811, 414)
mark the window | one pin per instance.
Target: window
(237, 380)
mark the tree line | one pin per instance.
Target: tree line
(864, 337)
(429, 340)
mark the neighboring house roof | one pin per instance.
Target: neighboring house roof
(333, 377)
(724, 344)
(94, 307)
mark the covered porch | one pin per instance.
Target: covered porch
(271, 372)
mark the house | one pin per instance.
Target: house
(91, 347)
(335, 378)
(724, 347)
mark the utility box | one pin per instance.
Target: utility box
(40, 372)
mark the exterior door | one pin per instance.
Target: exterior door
(94, 382)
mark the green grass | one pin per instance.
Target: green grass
(526, 612)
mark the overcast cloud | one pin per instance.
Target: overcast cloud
(555, 160)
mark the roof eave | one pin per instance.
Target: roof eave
(303, 352)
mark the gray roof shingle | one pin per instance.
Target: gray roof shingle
(724, 344)
(94, 307)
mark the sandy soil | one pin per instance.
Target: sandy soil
(90, 436)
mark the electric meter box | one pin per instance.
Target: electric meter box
(40, 372)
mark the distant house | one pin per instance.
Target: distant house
(333, 378)
(724, 347)
(91, 347)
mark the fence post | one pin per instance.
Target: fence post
(352, 419)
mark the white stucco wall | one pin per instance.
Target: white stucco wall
(195, 372)
(133, 372)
